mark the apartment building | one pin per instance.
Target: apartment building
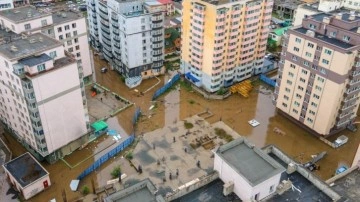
(223, 42)
(67, 26)
(319, 73)
(42, 98)
(130, 35)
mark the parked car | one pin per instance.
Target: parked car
(104, 70)
(270, 56)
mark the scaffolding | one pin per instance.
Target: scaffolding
(243, 88)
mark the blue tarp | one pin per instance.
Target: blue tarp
(191, 77)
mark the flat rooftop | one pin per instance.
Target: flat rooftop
(212, 192)
(25, 169)
(65, 16)
(348, 186)
(308, 191)
(23, 48)
(35, 60)
(142, 191)
(25, 13)
(250, 162)
(326, 39)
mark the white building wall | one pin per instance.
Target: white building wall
(20, 27)
(300, 13)
(6, 4)
(242, 188)
(82, 42)
(60, 106)
(36, 187)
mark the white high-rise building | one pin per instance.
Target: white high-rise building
(130, 35)
(41, 93)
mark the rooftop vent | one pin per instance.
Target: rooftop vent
(16, 11)
(40, 39)
(352, 17)
(310, 33)
(32, 40)
(63, 15)
(23, 36)
(339, 16)
(13, 48)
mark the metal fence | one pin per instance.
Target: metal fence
(162, 90)
(267, 80)
(136, 115)
(106, 157)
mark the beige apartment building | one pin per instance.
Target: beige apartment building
(223, 42)
(319, 73)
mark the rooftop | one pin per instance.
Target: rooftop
(281, 31)
(212, 192)
(25, 169)
(308, 191)
(348, 185)
(252, 163)
(142, 191)
(25, 47)
(326, 39)
(24, 13)
(65, 16)
(35, 60)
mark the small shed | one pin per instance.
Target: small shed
(99, 127)
(27, 175)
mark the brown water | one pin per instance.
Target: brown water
(235, 111)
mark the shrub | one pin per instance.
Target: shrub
(129, 156)
(188, 125)
(115, 172)
(85, 190)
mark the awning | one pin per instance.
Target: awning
(99, 125)
(191, 77)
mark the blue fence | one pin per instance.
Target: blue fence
(136, 115)
(106, 157)
(267, 80)
(166, 86)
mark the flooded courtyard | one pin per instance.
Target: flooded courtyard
(179, 104)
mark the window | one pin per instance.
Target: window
(296, 103)
(314, 67)
(59, 29)
(333, 34)
(316, 96)
(300, 88)
(314, 104)
(74, 33)
(67, 27)
(323, 70)
(309, 120)
(61, 37)
(289, 82)
(312, 26)
(69, 42)
(297, 40)
(294, 58)
(310, 45)
(53, 54)
(73, 25)
(318, 48)
(295, 111)
(302, 80)
(328, 51)
(70, 50)
(284, 104)
(77, 47)
(306, 63)
(143, 27)
(318, 88)
(286, 97)
(44, 22)
(41, 67)
(346, 38)
(325, 61)
(292, 66)
(27, 26)
(312, 112)
(291, 74)
(142, 20)
(304, 71)
(296, 49)
(77, 54)
(68, 35)
(287, 90)
(321, 79)
(76, 40)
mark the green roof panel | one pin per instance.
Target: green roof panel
(99, 125)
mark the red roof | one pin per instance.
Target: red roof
(165, 1)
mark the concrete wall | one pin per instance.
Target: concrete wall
(185, 189)
(60, 106)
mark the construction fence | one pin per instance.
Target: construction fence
(267, 80)
(170, 83)
(136, 115)
(107, 156)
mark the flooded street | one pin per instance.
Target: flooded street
(176, 105)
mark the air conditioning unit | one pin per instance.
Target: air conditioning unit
(228, 188)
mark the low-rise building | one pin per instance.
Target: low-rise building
(170, 9)
(27, 175)
(276, 35)
(252, 173)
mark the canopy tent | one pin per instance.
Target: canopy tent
(99, 125)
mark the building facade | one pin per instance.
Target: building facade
(47, 115)
(67, 26)
(130, 35)
(319, 73)
(223, 42)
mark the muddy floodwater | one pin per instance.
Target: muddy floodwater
(179, 104)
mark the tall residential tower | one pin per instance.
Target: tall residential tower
(223, 41)
(319, 72)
